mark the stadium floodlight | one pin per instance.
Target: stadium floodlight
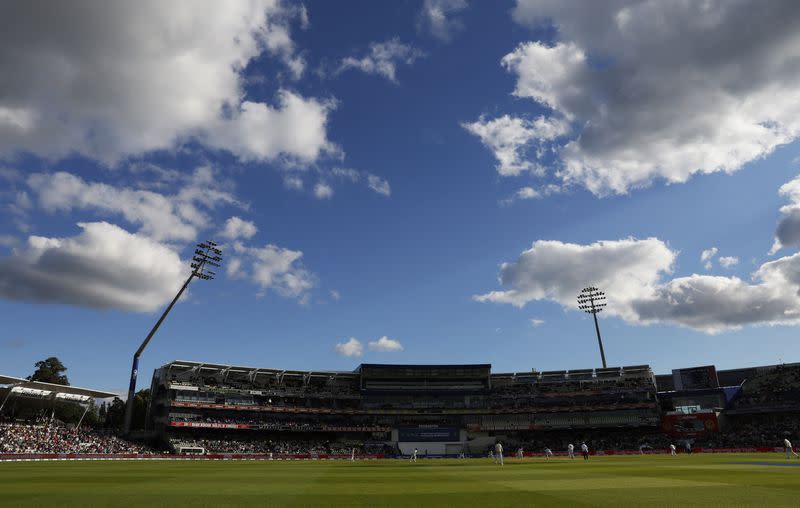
(592, 300)
(206, 254)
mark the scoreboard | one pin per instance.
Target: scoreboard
(695, 378)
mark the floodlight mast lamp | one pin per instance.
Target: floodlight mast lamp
(592, 301)
(206, 254)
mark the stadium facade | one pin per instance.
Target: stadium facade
(451, 409)
(442, 409)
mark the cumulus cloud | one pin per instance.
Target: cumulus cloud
(788, 232)
(237, 228)
(440, 18)
(385, 345)
(629, 269)
(94, 269)
(272, 268)
(351, 348)
(511, 138)
(383, 58)
(162, 217)
(706, 257)
(258, 131)
(635, 275)
(728, 261)
(323, 191)
(650, 101)
(112, 79)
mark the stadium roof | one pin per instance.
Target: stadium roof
(239, 368)
(38, 385)
(427, 365)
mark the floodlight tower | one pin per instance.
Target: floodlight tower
(592, 301)
(206, 254)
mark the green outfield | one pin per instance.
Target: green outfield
(699, 480)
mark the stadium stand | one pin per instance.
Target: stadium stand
(47, 437)
(441, 409)
(389, 410)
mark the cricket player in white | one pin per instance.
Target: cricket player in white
(353, 455)
(672, 449)
(547, 453)
(520, 453)
(787, 445)
(414, 456)
(498, 453)
(571, 450)
(585, 451)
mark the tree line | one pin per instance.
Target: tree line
(108, 415)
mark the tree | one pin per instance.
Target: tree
(115, 414)
(50, 370)
(140, 403)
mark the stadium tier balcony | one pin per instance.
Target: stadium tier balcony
(774, 388)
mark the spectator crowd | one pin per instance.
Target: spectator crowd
(57, 438)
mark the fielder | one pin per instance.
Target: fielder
(585, 451)
(498, 453)
(414, 456)
(571, 450)
(672, 449)
(547, 453)
(787, 446)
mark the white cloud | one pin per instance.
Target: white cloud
(237, 228)
(536, 323)
(113, 79)
(374, 182)
(706, 257)
(293, 183)
(379, 185)
(272, 268)
(385, 345)
(347, 174)
(8, 240)
(323, 191)
(233, 267)
(161, 216)
(439, 17)
(527, 192)
(352, 347)
(628, 269)
(634, 275)
(104, 267)
(258, 131)
(650, 101)
(728, 261)
(510, 139)
(383, 58)
(787, 233)
(335, 295)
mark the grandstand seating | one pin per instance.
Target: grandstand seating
(379, 410)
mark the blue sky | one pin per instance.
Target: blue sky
(369, 168)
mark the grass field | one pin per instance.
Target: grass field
(699, 480)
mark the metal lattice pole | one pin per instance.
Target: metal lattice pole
(206, 254)
(592, 301)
